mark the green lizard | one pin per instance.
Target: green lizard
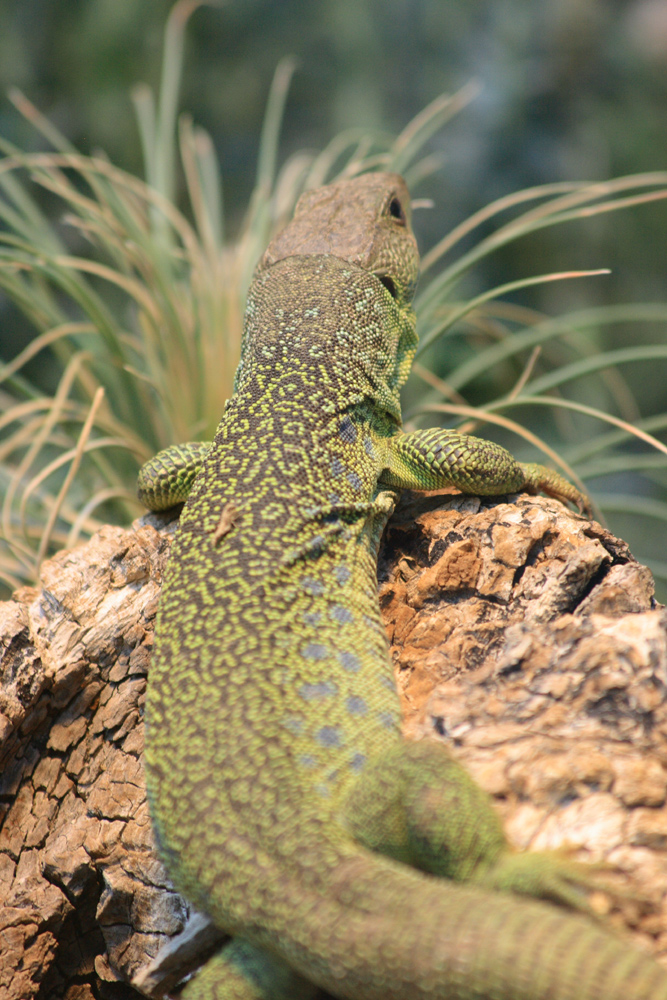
(285, 804)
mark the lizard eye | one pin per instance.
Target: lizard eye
(396, 211)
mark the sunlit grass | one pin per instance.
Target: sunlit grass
(138, 305)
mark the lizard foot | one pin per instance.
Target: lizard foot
(548, 875)
(539, 479)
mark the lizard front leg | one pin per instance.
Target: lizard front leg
(167, 478)
(433, 458)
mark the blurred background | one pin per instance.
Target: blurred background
(570, 90)
(574, 90)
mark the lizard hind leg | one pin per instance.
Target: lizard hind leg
(420, 806)
(241, 971)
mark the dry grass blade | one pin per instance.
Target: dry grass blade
(81, 521)
(567, 328)
(427, 123)
(568, 404)
(458, 313)
(52, 417)
(76, 461)
(526, 373)
(39, 343)
(474, 221)
(443, 387)
(569, 207)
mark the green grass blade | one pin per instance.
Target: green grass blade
(586, 366)
(490, 357)
(425, 125)
(493, 293)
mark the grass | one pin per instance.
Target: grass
(137, 310)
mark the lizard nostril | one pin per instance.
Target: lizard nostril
(388, 284)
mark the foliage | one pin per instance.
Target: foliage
(139, 306)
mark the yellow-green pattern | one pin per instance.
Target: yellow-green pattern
(285, 803)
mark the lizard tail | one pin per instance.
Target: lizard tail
(379, 930)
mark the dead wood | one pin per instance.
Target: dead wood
(524, 636)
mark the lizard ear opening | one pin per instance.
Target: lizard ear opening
(388, 284)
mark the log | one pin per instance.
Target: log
(524, 636)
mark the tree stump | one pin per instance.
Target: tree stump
(524, 636)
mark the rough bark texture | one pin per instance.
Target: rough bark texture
(524, 636)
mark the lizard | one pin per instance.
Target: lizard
(285, 804)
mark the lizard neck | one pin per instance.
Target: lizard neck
(332, 326)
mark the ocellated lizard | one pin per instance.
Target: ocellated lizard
(284, 801)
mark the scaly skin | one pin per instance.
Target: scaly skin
(285, 804)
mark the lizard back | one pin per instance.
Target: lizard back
(271, 666)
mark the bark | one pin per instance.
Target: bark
(523, 635)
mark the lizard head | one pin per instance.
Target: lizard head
(364, 224)
(364, 221)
